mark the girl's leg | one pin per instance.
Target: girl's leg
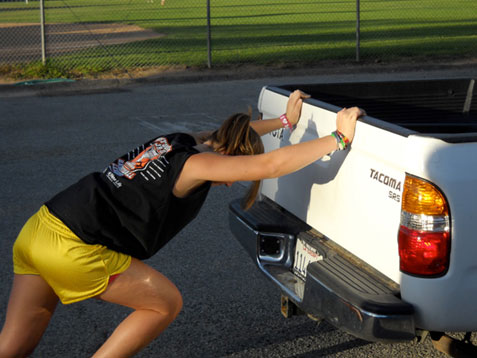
(31, 305)
(156, 302)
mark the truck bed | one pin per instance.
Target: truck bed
(438, 108)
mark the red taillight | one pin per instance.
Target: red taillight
(424, 234)
(423, 253)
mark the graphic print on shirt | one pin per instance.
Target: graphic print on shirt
(149, 163)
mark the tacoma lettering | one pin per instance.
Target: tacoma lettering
(385, 179)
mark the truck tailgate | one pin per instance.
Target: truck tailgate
(341, 197)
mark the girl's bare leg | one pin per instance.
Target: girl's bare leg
(31, 305)
(156, 302)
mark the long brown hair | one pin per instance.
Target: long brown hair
(236, 137)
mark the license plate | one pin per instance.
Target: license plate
(304, 255)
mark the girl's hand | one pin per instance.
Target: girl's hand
(294, 105)
(346, 121)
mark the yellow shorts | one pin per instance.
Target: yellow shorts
(75, 270)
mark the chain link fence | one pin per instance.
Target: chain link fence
(122, 34)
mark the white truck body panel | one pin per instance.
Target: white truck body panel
(354, 198)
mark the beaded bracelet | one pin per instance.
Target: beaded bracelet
(286, 123)
(341, 140)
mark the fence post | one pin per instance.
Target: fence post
(357, 30)
(42, 26)
(209, 39)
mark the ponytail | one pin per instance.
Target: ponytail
(236, 137)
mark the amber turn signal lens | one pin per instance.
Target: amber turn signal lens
(421, 197)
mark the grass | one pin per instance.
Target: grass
(264, 31)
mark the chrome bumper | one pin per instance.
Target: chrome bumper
(340, 289)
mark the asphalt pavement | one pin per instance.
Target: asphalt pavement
(51, 135)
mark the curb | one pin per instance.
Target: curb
(58, 87)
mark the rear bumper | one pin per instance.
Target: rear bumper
(340, 289)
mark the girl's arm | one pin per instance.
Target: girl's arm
(293, 115)
(263, 127)
(221, 168)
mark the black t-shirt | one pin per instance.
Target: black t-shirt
(130, 207)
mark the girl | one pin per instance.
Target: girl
(88, 241)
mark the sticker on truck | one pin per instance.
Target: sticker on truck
(304, 255)
(392, 183)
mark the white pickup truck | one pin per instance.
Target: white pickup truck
(380, 239)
